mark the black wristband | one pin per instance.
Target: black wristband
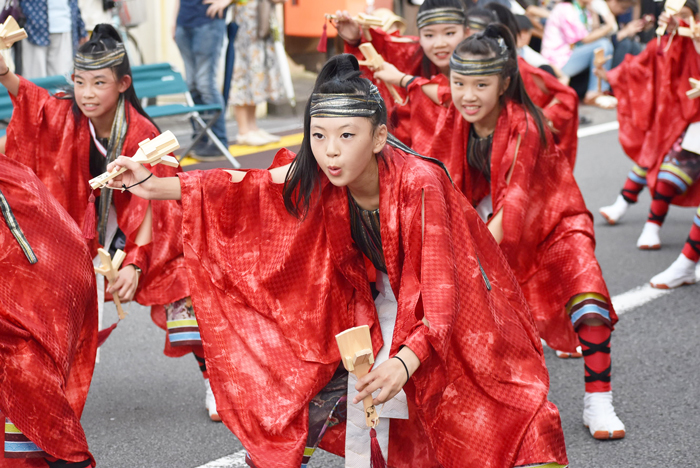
(405, 368)
(6, 71)
(410, 81)
(125, 188)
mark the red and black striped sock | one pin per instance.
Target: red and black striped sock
(635, 183)
(198, 353)
(663, 195)
(595, 343)
(691, 249)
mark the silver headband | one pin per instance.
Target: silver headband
(99, 60)
(440, 16)
(480, 66)
(346, 105)
(476, 23)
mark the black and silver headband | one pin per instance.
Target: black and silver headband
(99, 60)
(346, 105)
(440, 16)
(476, 23)
(480, 66)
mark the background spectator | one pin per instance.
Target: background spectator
(256, 73)
(571, 35)
(199, 34)
(55, 28)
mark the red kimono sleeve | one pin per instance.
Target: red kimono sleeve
(426, 115)
(269, 303)
(48, 319)
(36, 114)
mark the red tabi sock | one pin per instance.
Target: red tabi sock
(595, 343)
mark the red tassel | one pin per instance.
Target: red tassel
(90, 222)
(376, 457)
(102, 335)
(323, 43)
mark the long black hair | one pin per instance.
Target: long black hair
(505, 17)
(486, 44)
(106, 38)
(427, 5)
(340, 75)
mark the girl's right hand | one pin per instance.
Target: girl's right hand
(389, 74)
(135, 173)
(348, 28)
(668, 21)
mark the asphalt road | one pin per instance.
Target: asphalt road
(147, 410)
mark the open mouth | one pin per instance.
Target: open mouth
(334, 171)
(471, 110)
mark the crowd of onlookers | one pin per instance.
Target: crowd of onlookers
(559, 36)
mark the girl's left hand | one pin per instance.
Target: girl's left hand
(126, 283)
(390, 376)
(389, 74)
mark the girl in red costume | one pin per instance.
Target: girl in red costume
(48, 326)
(68, 140)
(442, 24)
(458, 359)
(495, 143)
(559, 102)
(657, 133)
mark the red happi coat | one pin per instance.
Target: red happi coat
(272, 292)
(548, 232)
(60, 158)
(406, 54)
(48, 321)
(653, 109)
(559, 104)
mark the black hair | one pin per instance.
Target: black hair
(483, 14)
(693, 5)
(523, 22)
(486, 44)
(427, 66)
(106, 38)
(340, 75)
(505, 17)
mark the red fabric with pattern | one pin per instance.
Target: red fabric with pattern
(48, 321)
(60, 158)
(559, 104)
(272, 292)
(653, 109)
(549, 240)
(425, 115)
(406, 54)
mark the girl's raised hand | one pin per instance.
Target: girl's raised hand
(135, 173)
(348, 29)
(389, 74)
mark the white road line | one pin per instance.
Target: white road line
(236, 460)
(640, 295)
(597, 129)
(623, 303)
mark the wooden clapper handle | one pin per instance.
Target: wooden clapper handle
(355, 345)
(375, 60)
(109, 269)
